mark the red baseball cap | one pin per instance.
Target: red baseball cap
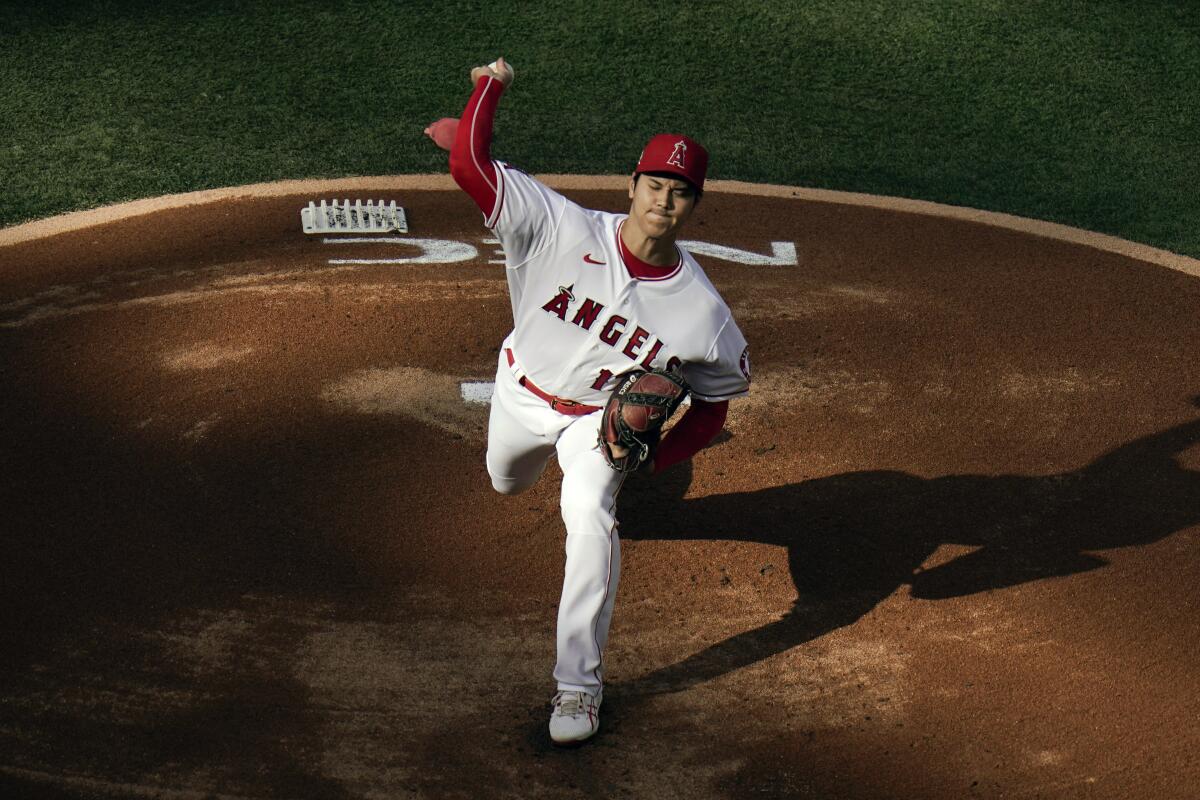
(676, 154)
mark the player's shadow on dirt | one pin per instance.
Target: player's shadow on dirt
(853, 539)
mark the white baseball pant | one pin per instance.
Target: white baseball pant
(523, 433)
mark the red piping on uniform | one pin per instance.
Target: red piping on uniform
(642, 270)
(607, 583)
(599, 614)
(470, 156)
(484, 147)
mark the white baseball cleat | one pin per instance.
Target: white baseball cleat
(576, 716)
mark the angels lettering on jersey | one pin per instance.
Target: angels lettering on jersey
(614, 332)
(582, 318)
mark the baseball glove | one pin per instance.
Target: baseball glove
(635, 413)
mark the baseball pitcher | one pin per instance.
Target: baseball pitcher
(613, 322)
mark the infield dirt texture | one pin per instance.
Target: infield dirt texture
(947, 548)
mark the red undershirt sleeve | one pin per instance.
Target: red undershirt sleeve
(691, 434)
(470, 157)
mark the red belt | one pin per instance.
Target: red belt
(560, 404)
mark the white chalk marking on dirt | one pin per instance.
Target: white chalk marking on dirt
(446, 251)
(433, 251)
(497, 252)
(783, 254)
(78, 220)
(365, 240)
(477, 392)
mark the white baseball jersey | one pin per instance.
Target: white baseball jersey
(580, 318)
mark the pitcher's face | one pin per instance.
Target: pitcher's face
(659, 205)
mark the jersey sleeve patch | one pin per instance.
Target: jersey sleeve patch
(725, 372)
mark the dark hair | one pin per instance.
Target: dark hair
(671, 176)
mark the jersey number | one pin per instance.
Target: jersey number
(605, 374)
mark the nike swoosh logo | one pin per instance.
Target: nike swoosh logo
(588, 258)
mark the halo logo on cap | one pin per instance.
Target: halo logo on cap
(675, 154)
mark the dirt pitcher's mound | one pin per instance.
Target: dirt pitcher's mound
(944, 550)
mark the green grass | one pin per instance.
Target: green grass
(1082, 113)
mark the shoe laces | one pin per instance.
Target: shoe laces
(569, 704)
